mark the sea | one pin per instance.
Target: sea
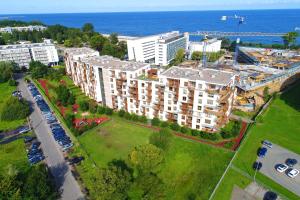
(147, 23)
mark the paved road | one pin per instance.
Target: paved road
(65, 181)
(277, 155)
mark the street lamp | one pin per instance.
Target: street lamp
(241, 21)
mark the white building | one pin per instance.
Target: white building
(197, 98)
(22, 28)
(23, 54)
(213, 45)
(159, 49)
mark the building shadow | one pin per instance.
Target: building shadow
(291, 94)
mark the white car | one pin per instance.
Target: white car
(282, 168)
(293, 173)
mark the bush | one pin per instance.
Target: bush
(69, 119)
(164, 124)
(127, 116)
(208, 136)
(84, 105)
(143, 119)
(134, 117)
(155, 122)
(15, 109)
(121, 113)
(229, 145)
(226, 135)
(232, 129)
(63, 94)
(162, 139)
(71, 100)
(195, 132)
(38, 69)
(92, 107)
(108, 111)
(184, 129)
(175, 127)
(12, 82)
(6, 71)
(101, 109)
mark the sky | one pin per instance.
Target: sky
(79, 6)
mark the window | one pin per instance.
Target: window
(169, 102)
(210, 102)
(170, 95)
(143, 84)
(183, 117)
(200, 101)
(185, 83)
(211, 96)
(184, 98)
(199, 107)
(111, 80)
(184, 91)
(198, 120)
(207, 121)
(200, 94)
(197, 127)
(169, 108)
(200, 86)
(131, 101)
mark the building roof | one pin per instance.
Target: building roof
(79, 51)
(20, 46)
(109, 62)
(208, 75)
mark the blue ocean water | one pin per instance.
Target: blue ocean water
(146, 23)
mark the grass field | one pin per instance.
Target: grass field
(190, 168)
(5, 93)
(279, 124)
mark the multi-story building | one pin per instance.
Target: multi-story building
(159, 49)
(198, 98)
(23, 54)
(9, 29)
(212, 45)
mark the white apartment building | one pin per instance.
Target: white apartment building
(159, 49)
(198, 98)
(23, 54)
(9, 29)
(212, 45)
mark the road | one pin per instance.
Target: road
(277, 155)
(59, 168)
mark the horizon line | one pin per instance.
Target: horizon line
(150, 11)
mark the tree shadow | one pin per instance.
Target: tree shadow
(59, 172)
(291, 95)
(120, 164)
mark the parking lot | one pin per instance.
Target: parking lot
(278, 155)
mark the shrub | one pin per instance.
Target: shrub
(121, 113)
(6, 71)
(101, 109)
(232, 129)
(69, 119)
(84, 105)
(12, 82)
(134, 117)
(229, 145)
(143, 119)
(92, 107)
(127, 116)
(164, 124)
(71, 100)
(175, 127)
(184, 129)
(226, 135)
(208, 136)
(15, 109)
(63, 94)
(195, 132)
(108, 111)
(161, 139)
(155, 122)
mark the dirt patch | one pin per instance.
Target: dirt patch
(84, 114)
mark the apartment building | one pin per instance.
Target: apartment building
(212, 45)
(159, 49)
(9, 29)
(198, 98)
(23, 54)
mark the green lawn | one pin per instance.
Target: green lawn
(190, 168)
(13, 153)
(5, 93)
(279, 124)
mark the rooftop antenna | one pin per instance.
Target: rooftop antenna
(241, 20)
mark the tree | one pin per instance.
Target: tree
(161, 139)
(93, 107)
(108, 111)
(88, 28)
(174, 126)
(179, 57)
(15, 109)
(196, 55)
(69, 119)
(6, 71)
(266, 94)
(113, 37)
(121, 113)
(290, 38)
(68, 43)
(97, 42)
(84, 105)
(63, 94)
(38, 69)
(155, 121)
(146, 158)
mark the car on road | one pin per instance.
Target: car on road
(282, 168)
(293, 173)
(291, 162)
(24, 129)
(267, 143)
(76, 160)
(262, 152)
(270, 196)
(257, 165)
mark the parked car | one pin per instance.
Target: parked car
(267, 143)
(76, 160)
(67, 146)
(282, 168)
(257, 166)
(291, 162)
(293, 173)
(28, 139)
(24, 129)
(270, 196)
(262, 152)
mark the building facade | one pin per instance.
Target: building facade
(159, 49)
(22, 28)
(23, 54)
(212, 45)
(197, 98)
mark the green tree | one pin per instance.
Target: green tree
(290, 38)
(68, 43)
(197, 55)
(84, 105)
(179, 57)
(266, 94)
(88, 28)
(38, 69)
(161, 139)
(97, 42)
(15, 109)
(146, 158)
(63, 94)
(113, 37)
(6, 71)
(155, 121)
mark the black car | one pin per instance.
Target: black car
(28, 139)
(270, 196)
(257, 166)
(76, 160)
(291, 162)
